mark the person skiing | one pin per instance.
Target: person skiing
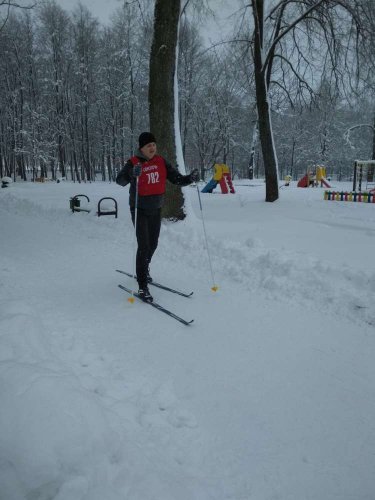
(147, 173)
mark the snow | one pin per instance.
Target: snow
(268, 395)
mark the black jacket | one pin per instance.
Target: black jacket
(125, 176)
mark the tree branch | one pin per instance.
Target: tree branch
(271, 50)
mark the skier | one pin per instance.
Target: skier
(148, 172)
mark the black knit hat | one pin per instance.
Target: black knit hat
(146, 138)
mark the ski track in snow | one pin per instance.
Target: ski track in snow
(115, 426)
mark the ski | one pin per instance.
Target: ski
(159, 285)
(157, 306)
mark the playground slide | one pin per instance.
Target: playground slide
(302, 183)
(210, 186)
(324, 182)
(226, 184)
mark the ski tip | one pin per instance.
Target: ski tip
(186, 323)
(215, 288)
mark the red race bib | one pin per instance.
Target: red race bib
(153, 177)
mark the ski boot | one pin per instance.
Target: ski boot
(144, 294)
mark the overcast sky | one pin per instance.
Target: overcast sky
(103, 9)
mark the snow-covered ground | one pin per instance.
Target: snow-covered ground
(268, 395)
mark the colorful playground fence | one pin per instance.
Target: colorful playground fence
(365, 197)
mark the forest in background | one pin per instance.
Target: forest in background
(74, 96)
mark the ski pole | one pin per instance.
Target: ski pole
(214, 287)
(137, 172)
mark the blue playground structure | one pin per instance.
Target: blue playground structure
(221, 176)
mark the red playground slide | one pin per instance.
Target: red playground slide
(323, 182)
(303, 183)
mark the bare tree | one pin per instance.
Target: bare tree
(6, 7)
(365, 75)
(55, 35)
(273, 30)
(85, 47)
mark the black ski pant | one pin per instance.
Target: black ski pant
(148, 230)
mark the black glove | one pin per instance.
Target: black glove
(194, 175)
(137, 170)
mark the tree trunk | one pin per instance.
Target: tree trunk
(292, 159)
(371, 169)
(161, 94)
(1, 163)
(264, 119)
